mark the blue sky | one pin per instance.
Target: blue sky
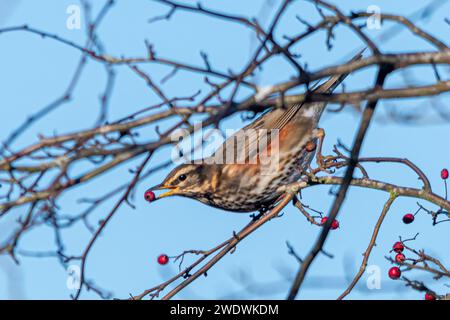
(36, 71)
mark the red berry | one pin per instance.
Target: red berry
(149, 195)
(163, 259)
(429, 296)
(400, 257)
(394, 273)
(408, 218)
(398, 247)
(334, 224)
(444, 174)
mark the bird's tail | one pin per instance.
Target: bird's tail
(331, 84)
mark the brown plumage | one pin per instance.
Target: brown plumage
(253, 178)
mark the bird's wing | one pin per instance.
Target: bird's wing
(243, 145)
(327, 87)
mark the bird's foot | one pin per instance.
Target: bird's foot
(323, 162)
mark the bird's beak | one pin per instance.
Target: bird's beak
(171, 190)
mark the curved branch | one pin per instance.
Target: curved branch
(372, 243)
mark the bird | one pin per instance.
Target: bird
(247, 175)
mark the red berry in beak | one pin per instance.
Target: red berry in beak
(408, 218)
(398, 247)
(334, 224)
(400, 258)
(429, 296)
(444, 174)
(149, 196)
(394, 273)
(163, 259)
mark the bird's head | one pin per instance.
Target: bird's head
(188, 180)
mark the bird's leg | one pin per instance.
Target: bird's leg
(320, 135)
(256, 217)
(321, 161)
(266, 208)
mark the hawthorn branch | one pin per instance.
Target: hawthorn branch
(372, 243)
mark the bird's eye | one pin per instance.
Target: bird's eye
(182, 177)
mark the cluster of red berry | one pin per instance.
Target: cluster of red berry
(398, 247)
(334, 224)
(395, 272)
